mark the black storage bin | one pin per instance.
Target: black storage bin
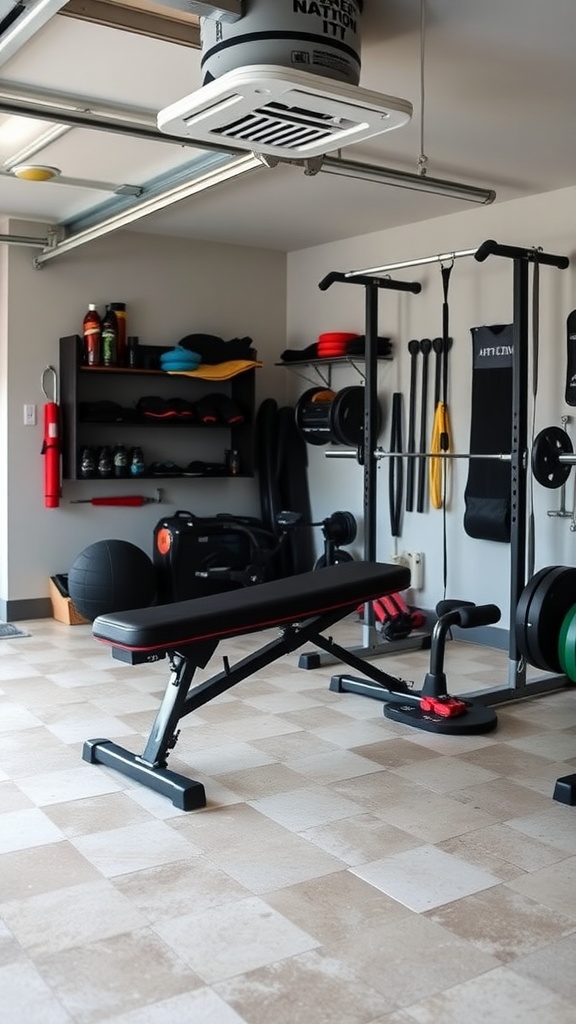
(199, 555)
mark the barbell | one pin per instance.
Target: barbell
(552, 456)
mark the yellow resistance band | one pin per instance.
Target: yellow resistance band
(440, 443)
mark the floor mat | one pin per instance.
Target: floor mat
(7, 631)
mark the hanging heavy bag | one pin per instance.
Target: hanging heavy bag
(487, 494)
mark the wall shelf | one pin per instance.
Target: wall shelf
(172, 440)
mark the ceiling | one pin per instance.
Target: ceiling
(500, 82)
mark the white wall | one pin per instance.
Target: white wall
(479, 294)
(172, 287)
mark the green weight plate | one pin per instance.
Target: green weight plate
(523, 611)
(551, 601)
(548, 445)
(567, 644)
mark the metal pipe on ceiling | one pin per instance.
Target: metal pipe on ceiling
(115, 123)
(34, 243)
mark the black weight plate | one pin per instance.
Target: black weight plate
(552, 600)
(523, 611)
(347, 416)
(338, 558)
(548, 445)
(340, 528)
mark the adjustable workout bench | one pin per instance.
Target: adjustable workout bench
(188, 633)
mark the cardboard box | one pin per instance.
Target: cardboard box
(62, 608)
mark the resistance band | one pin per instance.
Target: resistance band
(413, 349)
(396, 477)
(441, 427)
(487, 494)
(425, 348)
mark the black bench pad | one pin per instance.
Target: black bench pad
(310, 594)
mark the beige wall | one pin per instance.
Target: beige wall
(172, 287)
(479, 294)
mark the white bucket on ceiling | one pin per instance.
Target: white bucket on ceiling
(321, 37)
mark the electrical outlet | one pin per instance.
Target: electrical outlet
(416, 566)
(29, 415)
(400, 560)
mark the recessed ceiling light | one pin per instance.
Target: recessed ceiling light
(35, 172)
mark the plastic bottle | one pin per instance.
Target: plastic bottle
(92, 336)
(109, 337)
(121, 346)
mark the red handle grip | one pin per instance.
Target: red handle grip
(134, 501)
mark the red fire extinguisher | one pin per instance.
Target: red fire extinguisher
(51, 444)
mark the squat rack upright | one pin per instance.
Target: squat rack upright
(518, 686)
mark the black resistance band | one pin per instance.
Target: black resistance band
(413, 349)
(396, 477)
(425, 348)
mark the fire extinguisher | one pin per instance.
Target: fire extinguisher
(51, 443)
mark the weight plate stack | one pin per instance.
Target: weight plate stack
(542, 608)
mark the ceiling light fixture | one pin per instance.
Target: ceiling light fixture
(213, 173)
(35, 172)
(404, 179)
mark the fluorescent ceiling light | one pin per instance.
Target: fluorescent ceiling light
(18, 131)
(208, 178)
(404, 179)
(47, 136)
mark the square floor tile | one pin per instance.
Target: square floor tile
(425, 877)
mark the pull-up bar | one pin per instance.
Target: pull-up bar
(488, 248)
(443, 257)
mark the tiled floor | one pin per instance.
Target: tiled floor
(347, 869)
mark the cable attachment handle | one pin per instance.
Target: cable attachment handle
(53, 397)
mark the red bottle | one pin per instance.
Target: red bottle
(92, 334)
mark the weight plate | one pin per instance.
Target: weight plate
(548, 445)
(340, 528)
(550, 603)
(567, 644)
(347, 416)
(523, 611)
(338, 558)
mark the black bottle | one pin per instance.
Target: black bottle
(109, 337)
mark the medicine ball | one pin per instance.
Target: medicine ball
(111, 576)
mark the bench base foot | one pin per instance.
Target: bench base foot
(186, 794)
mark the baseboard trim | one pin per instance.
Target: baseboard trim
(30, 608)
